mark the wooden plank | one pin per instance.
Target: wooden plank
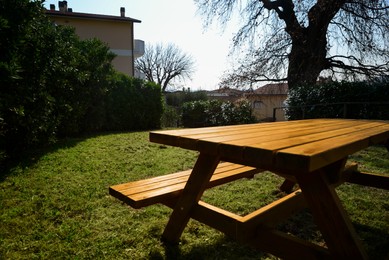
(225, 177)
(256, 144)
(150, 181)
(155, 190)
(312, 136)
(306, 137)
(275, 212)
(312, 156)
(160, 192)
(220, 219)
(258, 130)
(369, 179)
(264, 152)
(256, 136)
(260, 147)
(287, 185)
(337, 179)
(201, 133)
(143, 199)
(240, 227)
(174, 178)
(201, 174)
(221, 129)
(266, 239)
(287, 246)
(330, 216)
(173, 137)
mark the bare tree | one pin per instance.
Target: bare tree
(164, 64)
(297, 41)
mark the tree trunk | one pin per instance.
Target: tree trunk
(307, 58)
(309, 45)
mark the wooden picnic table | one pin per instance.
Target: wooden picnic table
(310, 153)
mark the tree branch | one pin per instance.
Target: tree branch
(359, 67)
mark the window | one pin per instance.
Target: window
(257, 104)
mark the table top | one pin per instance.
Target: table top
(303, 145)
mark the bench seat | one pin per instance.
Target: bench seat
(163, 189)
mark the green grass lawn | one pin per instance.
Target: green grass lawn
(55, 204)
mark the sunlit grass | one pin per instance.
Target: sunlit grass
(54, 204)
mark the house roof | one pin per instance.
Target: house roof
(272, 89)
(55, 13)
(225, 92)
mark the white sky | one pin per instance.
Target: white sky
(171, 21)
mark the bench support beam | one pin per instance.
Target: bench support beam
(333, 222)
(194, 188)
(369, 179)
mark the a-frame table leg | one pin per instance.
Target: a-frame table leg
(329, 214)
(287, 186)
(195, 186)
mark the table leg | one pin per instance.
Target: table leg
(287, 186)
(195, 186)
(329, 214)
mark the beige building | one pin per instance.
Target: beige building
(266, 98)
(226, 94)
(263, 100)
(116, 31)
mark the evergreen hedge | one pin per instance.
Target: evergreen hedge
(357, 100)
(55, 85)
(133, 104)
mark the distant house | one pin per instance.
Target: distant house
(225, 94)
(266, 98)
(116, 31)
(263, 100)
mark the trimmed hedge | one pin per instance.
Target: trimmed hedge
(340, 100)
(133, 104)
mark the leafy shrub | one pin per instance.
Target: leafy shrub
(174, 102)
(194, 113)
(133, 104)
(337, 100)
(171, 116)
(177, 99)
(36, 66)
(215, 113)
(53, 84)
(82, 101)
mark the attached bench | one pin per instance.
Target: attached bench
(164, 189)
(167, 188)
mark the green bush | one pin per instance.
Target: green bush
(82, 101)
(216, 113)
(36, 66)
(338, 100)
(171, 116)
(133, 104)
(54, 85)
(194, 113)
(174, 102)
(177, 99)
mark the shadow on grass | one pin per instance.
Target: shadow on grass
(29, 157)
(376, 242)
(224, 248)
